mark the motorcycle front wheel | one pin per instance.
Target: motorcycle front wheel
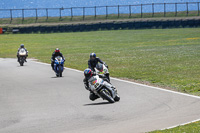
(117, 98)
(60, 71)
(21, 62)
(106, 95)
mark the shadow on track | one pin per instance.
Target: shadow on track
(101, 103)
(57, 77)
(22, 66)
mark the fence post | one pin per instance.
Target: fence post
(60, 14)
(141, 10)
(187, 8)
(10, 14)
(22, 15)
(47, 14)
(175, 9)
(83, 13)
(118, 11)
(106, 12)
(164, 9)
(129, 11)
(95, 12)
(198, 7)
(71, 14)
(36, 15)
(152, 9)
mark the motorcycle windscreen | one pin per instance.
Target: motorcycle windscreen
(22, 52)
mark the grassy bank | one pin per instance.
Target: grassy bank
(168, 58)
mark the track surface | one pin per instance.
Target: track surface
(33, 100)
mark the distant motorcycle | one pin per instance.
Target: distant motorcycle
(59, 66)
(22, 56)
(103, 89)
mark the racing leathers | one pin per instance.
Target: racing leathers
(93, 62)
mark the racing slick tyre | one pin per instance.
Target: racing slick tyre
(117, 98)
(106, 95)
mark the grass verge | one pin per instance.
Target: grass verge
(189, 128)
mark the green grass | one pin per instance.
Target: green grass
(167, 58)
(189, 128)
(66, 19)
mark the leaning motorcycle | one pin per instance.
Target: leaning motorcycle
(58, 66)
(103, 89)
(22, 56)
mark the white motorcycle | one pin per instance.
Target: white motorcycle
(22, 56)
(103, 89)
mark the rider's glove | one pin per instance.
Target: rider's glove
(102, 76)
(94, 73)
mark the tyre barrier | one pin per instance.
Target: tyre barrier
(110, 26)
(3, 30)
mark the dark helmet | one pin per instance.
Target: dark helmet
(22, 46)
(57, 50)
(88, 73)
(92, 55)
(99, 67)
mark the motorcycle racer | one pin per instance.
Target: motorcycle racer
(54, 54)
(88, 74)
(99, 87)
(22, 47)
(92, 62)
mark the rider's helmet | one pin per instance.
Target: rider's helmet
(99, 67)
(57, 50)
(22, 46)
(88, 73)
(92, 56)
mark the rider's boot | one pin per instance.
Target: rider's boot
(25, 59)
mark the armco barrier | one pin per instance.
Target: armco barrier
(112, 26)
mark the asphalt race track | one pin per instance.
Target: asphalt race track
(33, 100)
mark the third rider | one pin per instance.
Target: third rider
(56, 53)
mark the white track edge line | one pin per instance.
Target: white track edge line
(181, 124)
(131, 82)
